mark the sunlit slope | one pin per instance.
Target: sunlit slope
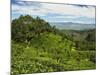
(38, 47)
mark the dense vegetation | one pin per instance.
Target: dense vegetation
(39, 47)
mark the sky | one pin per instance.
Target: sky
(53, 12)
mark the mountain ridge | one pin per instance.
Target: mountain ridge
(72, 26)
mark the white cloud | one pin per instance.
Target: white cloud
(64, 11)
(32, 10)
(70, 9)
(55, 8)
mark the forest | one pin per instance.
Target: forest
(38, 47)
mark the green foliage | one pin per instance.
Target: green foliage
(84, 40)
(39, 47)
(25, 28)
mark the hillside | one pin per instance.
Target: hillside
(84, 39)
(37, 47)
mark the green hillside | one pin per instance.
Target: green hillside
(38, 47)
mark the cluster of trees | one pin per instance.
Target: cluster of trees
(84, 39)
(25, 28)
(39, 47)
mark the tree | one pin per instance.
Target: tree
(25, 28)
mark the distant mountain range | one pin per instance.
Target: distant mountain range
(72, 26)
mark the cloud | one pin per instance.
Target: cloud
(27, 9)
(70, 10)
(54, 11)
